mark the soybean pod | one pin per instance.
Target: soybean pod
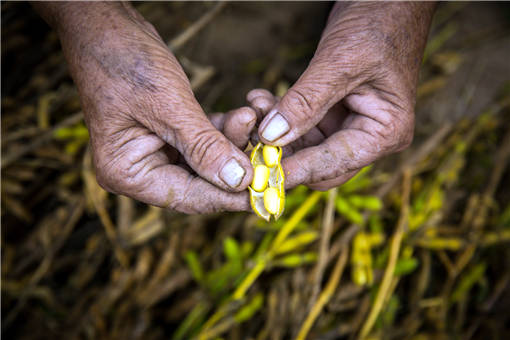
(267, 191)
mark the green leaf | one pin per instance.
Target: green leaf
(192, 320)
(387, 317)
(247, 312)
(231, 249)
(381, 258)
(348, 211)
(342, 205)
(358, 182)
(504, 218)
(234, 256)
(296, 260)
(247, 249)
(375, 223)
(77, 132)
(468, 280)
(74, 146)
(81, 132)
(63, 133)
(373, 203)
(297, 241)
(217, 280)
(264, 245)
(194, 265)
(356, 201)
(296, 197)
(406, 266)
(366, 202)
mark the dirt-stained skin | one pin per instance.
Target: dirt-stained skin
(355, 101)
(152, 141)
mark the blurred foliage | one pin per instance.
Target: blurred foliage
(78, 262)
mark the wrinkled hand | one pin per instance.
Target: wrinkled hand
(148, 133)
(355, 101)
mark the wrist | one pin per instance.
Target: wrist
(383, 10)
(75, 21)
(391, 34)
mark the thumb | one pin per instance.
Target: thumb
(303, 106)
(208, 152)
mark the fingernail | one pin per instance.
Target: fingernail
(277, 127)
(232, 173)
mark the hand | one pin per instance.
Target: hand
(355, 101)
(148, 133)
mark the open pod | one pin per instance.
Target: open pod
(267, 191)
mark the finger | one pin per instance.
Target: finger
(141, 171)
(330, 123)
(342, 153)
(333, 120)
(380, 128)
(215, 158)
(238, 125)
(261, 101)
(266, 100)
(190, 194)
(255, 93)
(332, 159)
(178, 119)
(206, 150)
(305, 104)
(332, 183)
(311, 138)
(217, 120)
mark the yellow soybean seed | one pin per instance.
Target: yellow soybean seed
(271, 155)
(271, 201)
(267, 191)
(260, 178)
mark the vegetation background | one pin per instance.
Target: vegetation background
(415, 247)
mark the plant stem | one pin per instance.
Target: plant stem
(396, 242)
(325, 296)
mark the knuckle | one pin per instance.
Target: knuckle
(299, 101)
(118, 175)
(403, 131)
(191, 199)
(258, 93)
(102, 180)
(105, 176)
(206, 148)
(397, 134)
(262, 105)
(407, 132)
(180, 201)
(391, 135)
(406, 139)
